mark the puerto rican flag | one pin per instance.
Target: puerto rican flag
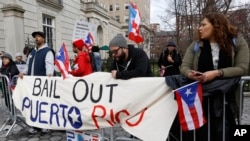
(189, 100)
(62, 62)
(89, 40)
(134, 23)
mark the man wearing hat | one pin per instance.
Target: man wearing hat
(129, 62)
(82, 63)
(19, 58)
(169, 61)
(40, 62)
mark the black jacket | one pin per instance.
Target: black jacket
(137, 66)
(10, 70)
(173, 68)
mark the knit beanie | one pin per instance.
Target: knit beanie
(18, 54)
(79, 43)
(7, 55)
(171, 43)
(119, 41)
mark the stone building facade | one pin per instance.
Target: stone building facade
(19, 18)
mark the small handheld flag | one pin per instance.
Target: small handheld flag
(90, 40)
(62, 61)
(189, 100)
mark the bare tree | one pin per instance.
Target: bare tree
(241, 19)
(188, 15)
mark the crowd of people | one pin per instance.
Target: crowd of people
(218, 53)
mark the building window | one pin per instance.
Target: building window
(126, 6)
(117, 18)
(48, 29)
(117, 7)
(126, 18)
(126, 34)
(110, 8)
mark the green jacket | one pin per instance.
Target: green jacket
(240, 59)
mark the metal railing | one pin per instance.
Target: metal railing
(13, 118)
(225, 103)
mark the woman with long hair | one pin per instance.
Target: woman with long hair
(221, 53)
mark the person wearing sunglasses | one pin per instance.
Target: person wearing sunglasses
(128, 61)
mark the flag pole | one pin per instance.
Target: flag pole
(129, 18)
(186, 86)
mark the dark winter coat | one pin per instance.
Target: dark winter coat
(137, 66)
(173, 68)
(10, 69)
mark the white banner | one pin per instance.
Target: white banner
(145, 107)
(82, 28)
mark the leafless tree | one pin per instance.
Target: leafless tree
(188, 15)
(241, 19)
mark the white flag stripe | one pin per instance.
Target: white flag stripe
(198, 106)
(187, 114)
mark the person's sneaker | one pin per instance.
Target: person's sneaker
(32, 130)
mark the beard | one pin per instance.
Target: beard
(39, 43)
(74, 50)
(121, 58)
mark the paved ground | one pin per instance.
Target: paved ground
(246, 110)
(21, 134)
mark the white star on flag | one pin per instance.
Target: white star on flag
(188, 92)
(58, 54)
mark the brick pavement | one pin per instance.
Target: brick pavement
(21, 134)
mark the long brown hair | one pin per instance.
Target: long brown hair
(223, 32)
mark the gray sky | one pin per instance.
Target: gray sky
(158, 8)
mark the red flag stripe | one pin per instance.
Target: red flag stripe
(182, 118)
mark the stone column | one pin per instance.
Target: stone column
(13, 28)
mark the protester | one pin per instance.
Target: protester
(8, 68)
(97, 56)
(92, 60)
(26, 51)
(40, 62)
(129, 62)
(82, 64)
(219, 54)
(19, 59)
(169, 61)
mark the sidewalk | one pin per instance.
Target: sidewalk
(246, 109)
(21, 134)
